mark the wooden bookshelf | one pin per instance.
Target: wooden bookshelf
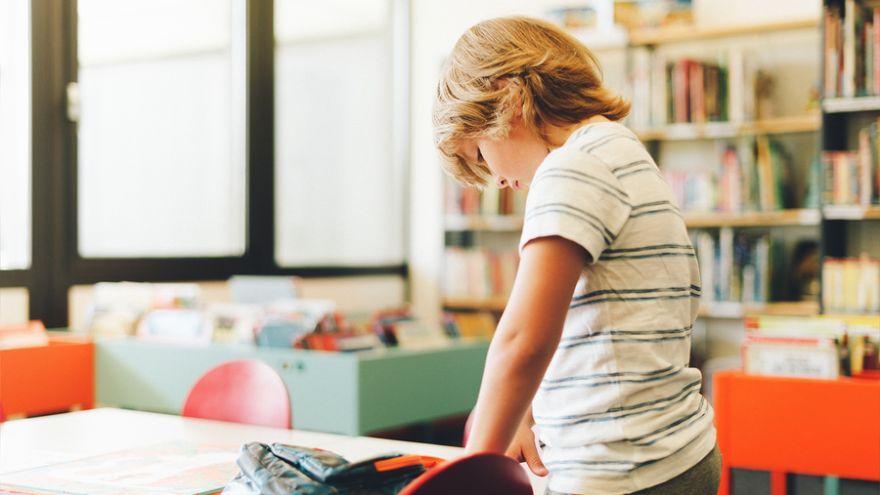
(850, 105)
(851, 212)
(721, 130)
(496, 303)
(490, 223)
(738, 310)
(805, 217)
(681, 34)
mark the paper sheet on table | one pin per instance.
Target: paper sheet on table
(177, 468)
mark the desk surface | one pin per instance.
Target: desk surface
(33, 442)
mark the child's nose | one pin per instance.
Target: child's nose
(501, 182)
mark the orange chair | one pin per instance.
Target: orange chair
(244, 391)
(476, 474)
(797, 425)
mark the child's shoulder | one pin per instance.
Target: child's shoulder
(607, 144)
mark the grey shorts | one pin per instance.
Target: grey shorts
(702, 479)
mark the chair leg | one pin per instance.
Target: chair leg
(777, 483)
(724, 486)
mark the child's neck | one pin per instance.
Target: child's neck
(559, 135)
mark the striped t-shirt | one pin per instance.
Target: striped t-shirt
(619, 409)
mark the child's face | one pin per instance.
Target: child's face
(513, 160)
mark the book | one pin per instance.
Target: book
(810, 357)
(479, 272)
(30, 334)
(851, 49)
(812, 346)
(753, 176)
(853, 177)
(735, 266)
(176, 468)
(473, 324)
(460, 200)
(851, 285)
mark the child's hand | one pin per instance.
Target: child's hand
(524, 446)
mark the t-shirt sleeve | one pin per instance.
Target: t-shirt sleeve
(578, 198)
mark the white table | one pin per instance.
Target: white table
(33, 442)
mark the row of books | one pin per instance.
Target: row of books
(735, 267)
(479, 272)
(470, 324)
(688, 90)
(852, 53)
(461, 200)
(853, 177)
(851, 285)
(697, 92)
(753, 176)
(812, 347)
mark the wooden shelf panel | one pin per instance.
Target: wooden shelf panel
(690, 33)
(858, 104)
(496, 303)
(739, 310)
(836, 212)
(722, 130)
(805, 217)
(707, 310)
(491, 223)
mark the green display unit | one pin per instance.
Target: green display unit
(353, 393)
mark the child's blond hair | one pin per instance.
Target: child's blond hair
(501, 63)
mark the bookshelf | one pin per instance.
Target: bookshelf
(722, 130)
(850, 105)
(493, 304)
(740, 310)
(798, 216)
(688, 33)
(488, 223)
(795, 121)
(850, 247)
(855, 212)
(733, 122)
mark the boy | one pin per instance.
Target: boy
(592, 350)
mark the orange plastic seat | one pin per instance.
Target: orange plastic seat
(244, 391)
(477, 474)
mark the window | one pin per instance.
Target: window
(161, 137)
(338, 187)
(15, 136)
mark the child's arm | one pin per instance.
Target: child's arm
(525, 340)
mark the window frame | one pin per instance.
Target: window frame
(56, 264)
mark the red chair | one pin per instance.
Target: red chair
(244, 391)
(478, 474)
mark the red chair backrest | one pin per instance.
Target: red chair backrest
(478, 474)
(244, 391)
